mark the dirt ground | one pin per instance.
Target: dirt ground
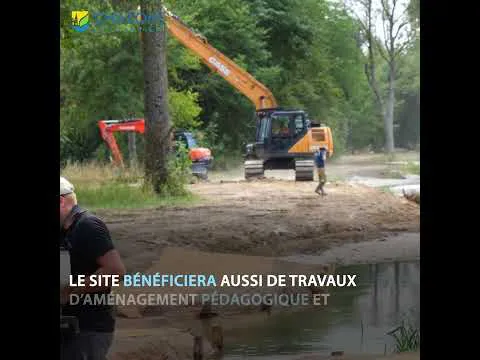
(371, 165)
(401, 356)
(267, 217)
(270, 217)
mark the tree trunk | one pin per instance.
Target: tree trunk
(157, 119)
(132, 149)
(389, 113)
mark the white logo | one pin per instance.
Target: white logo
(128, 128)
(219, 65)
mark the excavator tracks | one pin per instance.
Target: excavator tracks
(304, 170)
(253, 169)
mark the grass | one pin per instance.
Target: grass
(106, 187)
(124, 196)
(95, 174)
(411, 168)
(406, 337)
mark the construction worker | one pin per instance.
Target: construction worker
(320, 159)
(91, 251)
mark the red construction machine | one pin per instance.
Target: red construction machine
(200, 157)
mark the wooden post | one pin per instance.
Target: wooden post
(206, 328)
(197, 348)
(217, 338)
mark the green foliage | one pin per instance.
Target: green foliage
(116, 196)
(408, 97)
(230, 27)
(414, 12)
(406, 337)
(407, 81)
(225, 157)
(101, 76)
(411, 168)
(306, 51)
(184, 108)
(103, 186)
(179, 173)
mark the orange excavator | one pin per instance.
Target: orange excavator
(201, 158)
(285, 138)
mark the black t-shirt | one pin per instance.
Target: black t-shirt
(89, 239)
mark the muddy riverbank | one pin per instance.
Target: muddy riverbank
(276, 218)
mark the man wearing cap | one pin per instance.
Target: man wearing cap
(320, 158)
(91, 252)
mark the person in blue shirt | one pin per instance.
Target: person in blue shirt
(320, 158)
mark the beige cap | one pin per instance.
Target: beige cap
(66, 187)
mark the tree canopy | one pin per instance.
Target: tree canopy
(308, 52)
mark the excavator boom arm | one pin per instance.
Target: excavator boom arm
(108, 127)
(258, 93)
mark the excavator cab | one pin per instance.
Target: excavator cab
(200, 157)
(285, 139)
(278, 131)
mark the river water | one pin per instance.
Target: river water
(355, 320)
